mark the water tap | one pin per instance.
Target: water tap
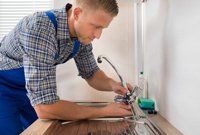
(129, 97)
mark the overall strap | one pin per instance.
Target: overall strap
(52, 18)
(75, 49)
(75, 42)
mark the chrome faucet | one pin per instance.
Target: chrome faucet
(126, 99)
(129, 97)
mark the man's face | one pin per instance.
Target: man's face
(89, 24)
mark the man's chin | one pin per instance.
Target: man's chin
(86, 42)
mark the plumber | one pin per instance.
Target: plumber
(30, 53)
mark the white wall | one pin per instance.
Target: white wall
(171, 61)
(117, 43)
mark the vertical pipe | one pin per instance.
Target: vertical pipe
(136, 42)
(139, 16)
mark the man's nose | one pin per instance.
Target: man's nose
(97, 33)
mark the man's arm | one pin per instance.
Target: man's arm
(101, 82)
(96, 78)
(65, 110)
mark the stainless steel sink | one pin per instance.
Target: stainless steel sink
(138, 124)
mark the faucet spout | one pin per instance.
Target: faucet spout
(99, 60)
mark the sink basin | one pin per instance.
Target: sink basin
(138, 124)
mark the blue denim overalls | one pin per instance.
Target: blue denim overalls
(16, 112)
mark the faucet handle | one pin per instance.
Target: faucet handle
(125, 99)
(129, 97)
(120, 99)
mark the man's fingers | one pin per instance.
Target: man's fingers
(124, 91)
(127, 107)
(121, 90)
(130, 87)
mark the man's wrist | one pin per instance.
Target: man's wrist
(104, 111)
(112, 83)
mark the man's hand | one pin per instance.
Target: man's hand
(119, 89)
(117, 109)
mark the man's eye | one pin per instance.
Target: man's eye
(98, 27)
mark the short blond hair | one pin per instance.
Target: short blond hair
(109, 6)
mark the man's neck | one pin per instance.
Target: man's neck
(70, 22)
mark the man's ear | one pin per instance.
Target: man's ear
(77, 12)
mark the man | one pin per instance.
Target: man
(29, 55)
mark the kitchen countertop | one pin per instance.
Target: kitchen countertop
(99, 127)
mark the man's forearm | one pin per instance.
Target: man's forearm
(66, 110)
(101, 82)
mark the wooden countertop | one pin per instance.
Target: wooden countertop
(40, 127)
(105, 127)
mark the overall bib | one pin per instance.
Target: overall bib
(16, 112)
